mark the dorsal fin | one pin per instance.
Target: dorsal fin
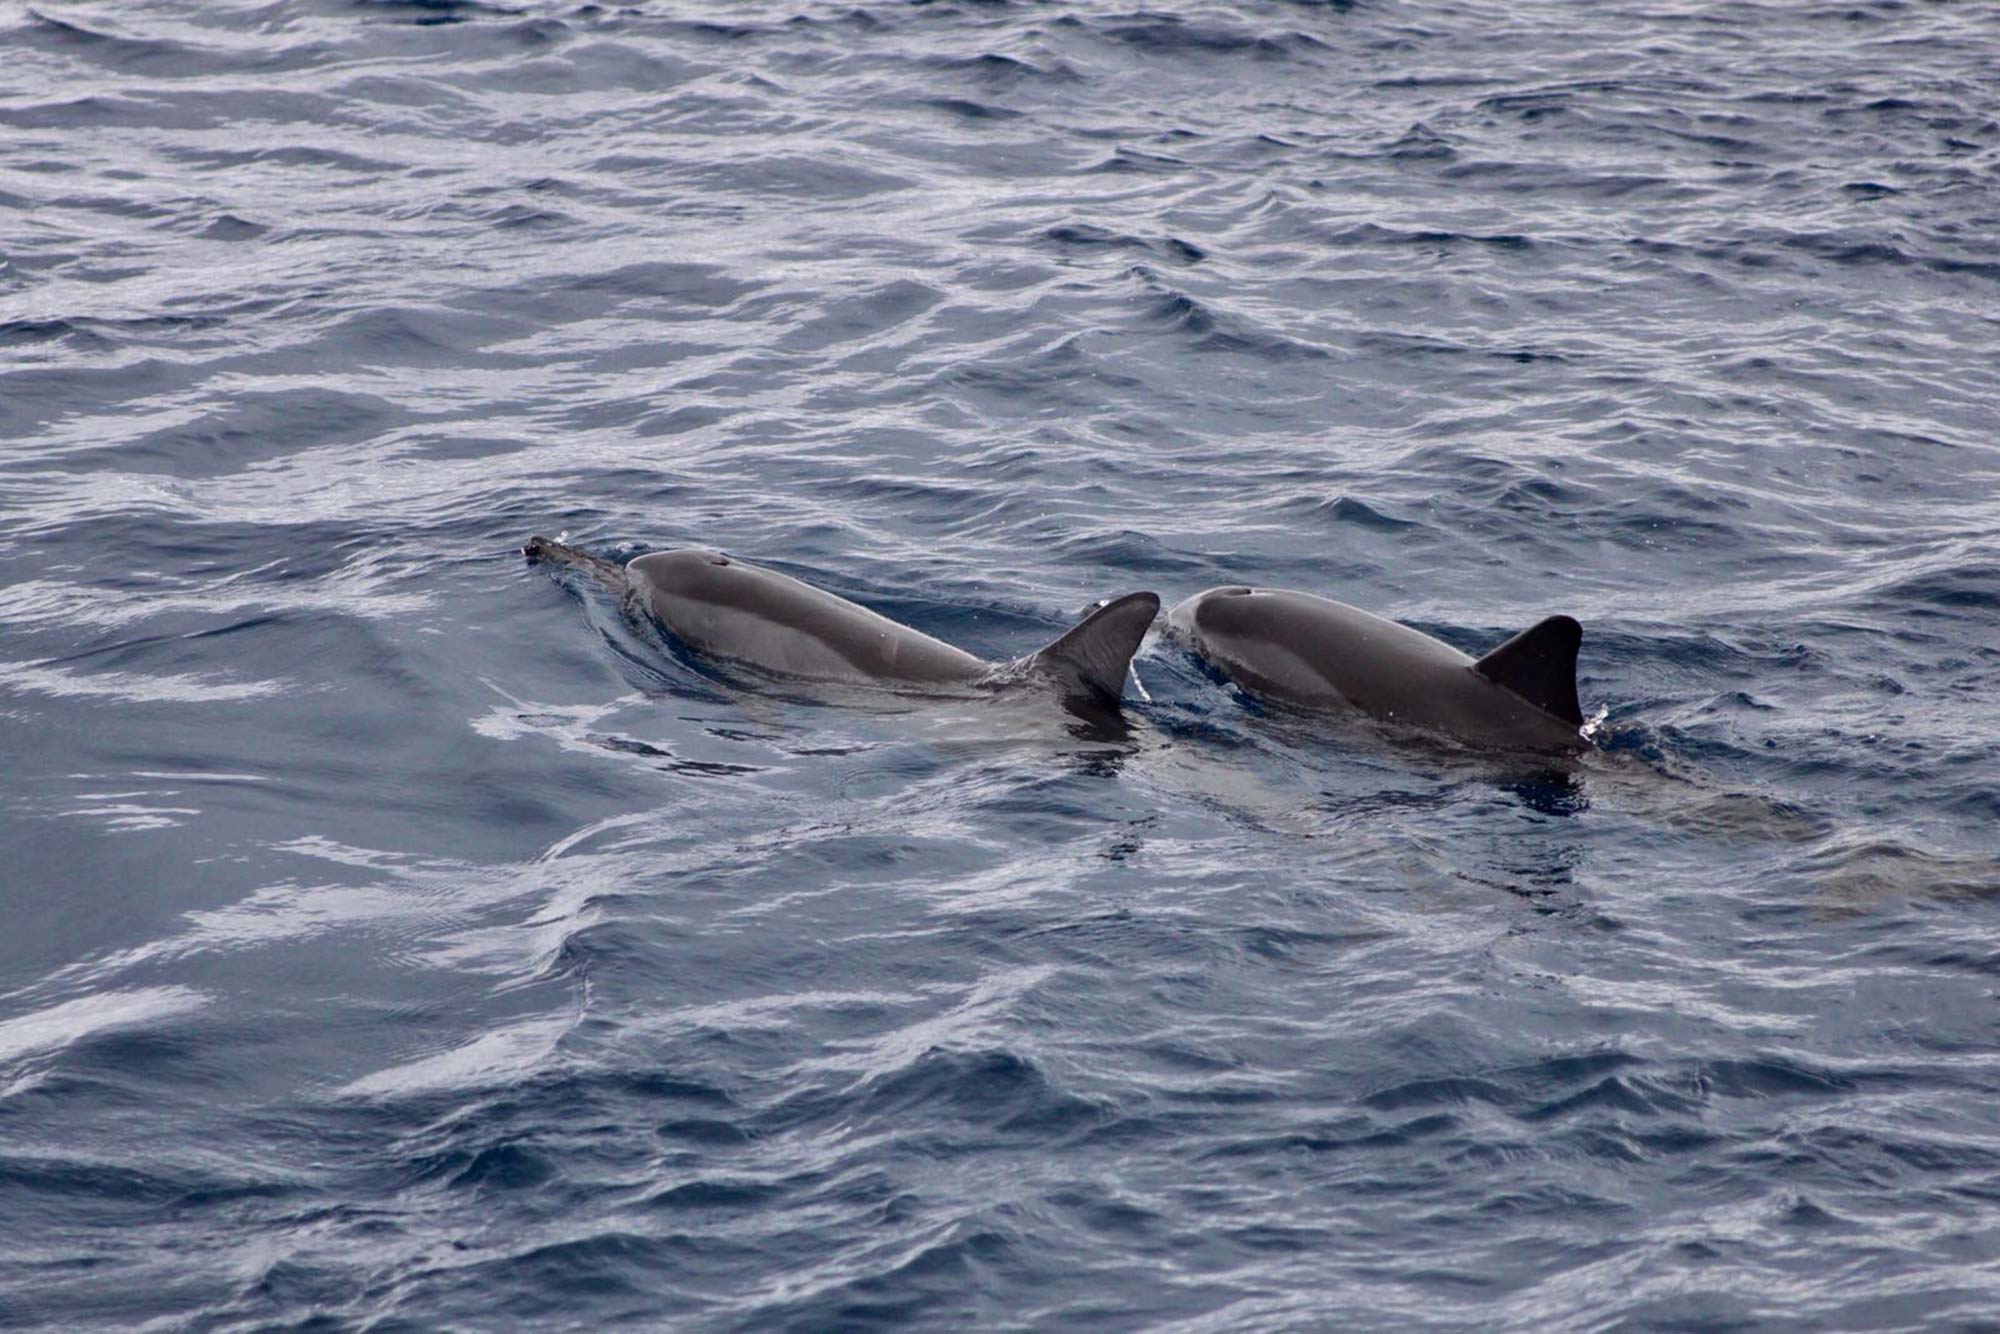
(1093, 656)
(1539, 665)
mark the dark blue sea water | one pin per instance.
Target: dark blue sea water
(396, 937)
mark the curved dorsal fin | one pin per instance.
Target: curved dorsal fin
(1539, 665)
(1093, 656)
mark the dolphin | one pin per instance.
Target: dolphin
(729, 609)
(1325, 655)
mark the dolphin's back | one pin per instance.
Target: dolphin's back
(729, 609)
(1313, 650)
(1319, 653)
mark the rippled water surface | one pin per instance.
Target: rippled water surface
(397, 936)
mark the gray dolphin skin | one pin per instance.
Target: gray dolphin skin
(731, 610)
(1320, 654)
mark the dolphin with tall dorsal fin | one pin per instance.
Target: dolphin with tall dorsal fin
(1321, 654)
(728, 609)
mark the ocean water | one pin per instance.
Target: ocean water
(398, 937)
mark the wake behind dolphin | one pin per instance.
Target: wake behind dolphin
(728, 609)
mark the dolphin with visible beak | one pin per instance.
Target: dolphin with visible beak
(1319, 654)
(736, 612)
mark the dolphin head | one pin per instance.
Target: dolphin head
(1186, 619)
(677, 582)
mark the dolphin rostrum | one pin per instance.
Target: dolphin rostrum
(728, 609)
(1321, 654)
